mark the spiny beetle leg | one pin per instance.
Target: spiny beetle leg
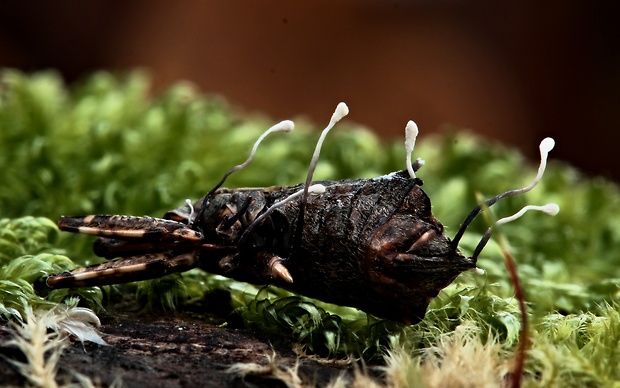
(128, 227)
(125, 270)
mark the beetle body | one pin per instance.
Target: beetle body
(372, 244)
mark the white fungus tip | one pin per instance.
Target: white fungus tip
(411, 133)
(341, 110)
(316, 189)
(547, 145)
(284, 126)
(551, 209)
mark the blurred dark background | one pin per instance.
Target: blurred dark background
(515, 71)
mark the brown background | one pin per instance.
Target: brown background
(515, 71)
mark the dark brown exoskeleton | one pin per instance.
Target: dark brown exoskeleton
(372, 244)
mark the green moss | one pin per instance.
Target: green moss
(105, 146)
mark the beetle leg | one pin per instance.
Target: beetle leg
(228, 222)
(125, 270)
(267, 267)
(278, 270)
(127, 227)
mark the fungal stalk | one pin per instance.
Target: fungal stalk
(545, 146)
(283, 126)
(411, 133)
(341, 110)
(550, 209)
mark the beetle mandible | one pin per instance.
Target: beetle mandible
(372, 244)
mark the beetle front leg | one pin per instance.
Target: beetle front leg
(125, 270)
(129, 227)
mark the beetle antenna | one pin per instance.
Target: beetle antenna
(550, 209)
(282, 126)
(545, 146)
